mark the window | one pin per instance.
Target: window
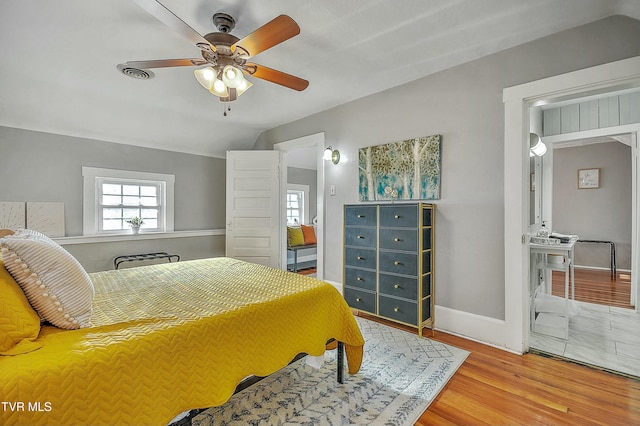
(297, 204)
(295, 207)
(113, 196)
(119, 200)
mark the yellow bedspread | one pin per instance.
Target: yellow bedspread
(172, 337)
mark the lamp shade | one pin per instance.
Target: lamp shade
(244, 86)
(219, 89)
(232, 76)
(327, 153)
(205, 76)
(536, 145)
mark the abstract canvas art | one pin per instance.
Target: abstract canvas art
(402, 170)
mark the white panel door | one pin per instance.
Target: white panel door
(253, 206)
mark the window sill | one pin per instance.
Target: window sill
(89, 239)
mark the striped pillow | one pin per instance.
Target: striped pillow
(55, 283)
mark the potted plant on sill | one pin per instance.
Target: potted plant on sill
(135, 222)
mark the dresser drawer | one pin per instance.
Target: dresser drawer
(360, 278)
(360, 257)
(399, 310)
(399, 239)
(361, 237)
(399, 216)
(360, 216)
(393, 285)
(360, 299)
(399, 263)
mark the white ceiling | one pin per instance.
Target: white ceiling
(58, 67)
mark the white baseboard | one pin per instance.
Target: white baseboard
(486, 330)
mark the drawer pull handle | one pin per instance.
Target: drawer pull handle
(396, 286)
(360, 258)
(358, 299)
(358, 279)
(397, 216)
(396, 309)
(396, 239)
(360, 216)
(360, 237)
(396, 263)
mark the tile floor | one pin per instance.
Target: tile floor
(604, 336)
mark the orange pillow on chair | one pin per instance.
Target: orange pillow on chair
(309, 234)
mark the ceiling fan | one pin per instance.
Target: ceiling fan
(225, 56)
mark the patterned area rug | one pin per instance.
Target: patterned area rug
(401, 374)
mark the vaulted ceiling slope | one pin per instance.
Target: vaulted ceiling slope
(58, 66)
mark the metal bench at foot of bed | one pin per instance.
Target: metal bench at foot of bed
(145, 256)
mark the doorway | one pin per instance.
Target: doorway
(305, 153)
(602, 325)
(518, 100)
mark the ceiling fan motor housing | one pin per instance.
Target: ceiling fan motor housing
(223, 22)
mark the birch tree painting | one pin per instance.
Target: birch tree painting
(403, 170)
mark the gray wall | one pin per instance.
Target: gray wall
(595, 214)
(99, 256)
(306, 177)
(464, 105)
(36, 166)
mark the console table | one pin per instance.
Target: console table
(552, 313)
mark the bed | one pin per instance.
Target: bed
(164, 339)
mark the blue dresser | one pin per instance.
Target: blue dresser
(389, 262)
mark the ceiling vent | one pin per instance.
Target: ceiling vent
(135, 72)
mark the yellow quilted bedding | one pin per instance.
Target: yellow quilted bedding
(172, 337)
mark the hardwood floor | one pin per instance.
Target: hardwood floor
(597, 286)
(495, 387)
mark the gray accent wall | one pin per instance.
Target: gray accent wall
(38, 166)
(595, 214)
(464, 105)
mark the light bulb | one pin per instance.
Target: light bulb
(243, 87)
(205, 77)
(231, 73)
(232, 76)
(219, 89)
(208, 74)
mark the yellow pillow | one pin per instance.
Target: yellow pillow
(19, 322)
(295, 236)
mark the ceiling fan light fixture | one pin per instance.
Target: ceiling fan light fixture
(206, 77)
(219, 89)
(232, 76)
(243, 87)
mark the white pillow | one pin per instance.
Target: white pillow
(55, 283)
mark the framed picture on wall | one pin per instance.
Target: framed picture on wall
(588, 178)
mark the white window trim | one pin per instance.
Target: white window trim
(305, 199)
(90, 193)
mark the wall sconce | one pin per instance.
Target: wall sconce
(331, 154)
(536, 146)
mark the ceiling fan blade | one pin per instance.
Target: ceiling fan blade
(164, 63)
(168, 18)
(274, 32)
(275, 76)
